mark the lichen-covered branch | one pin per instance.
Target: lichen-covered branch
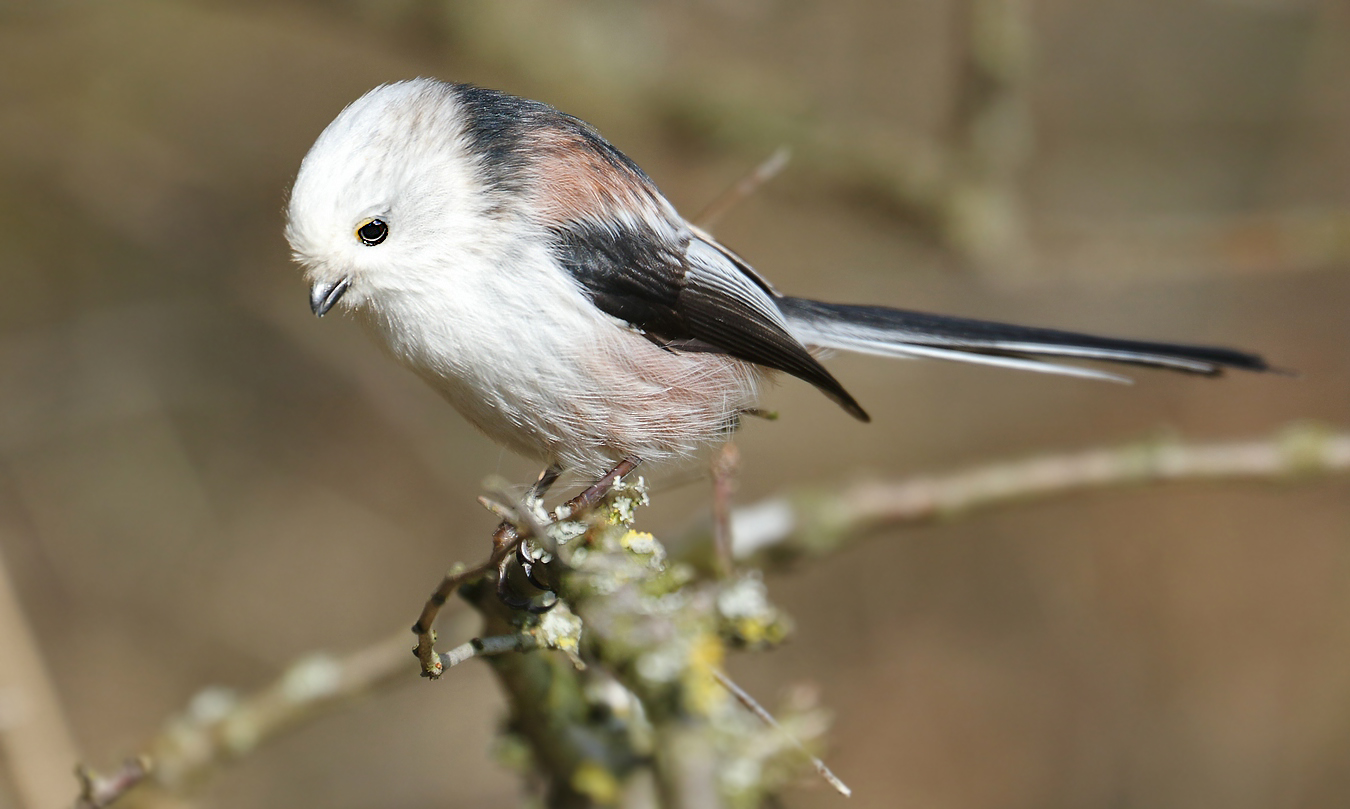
(646, 705)
(614, 693)
(505, 540)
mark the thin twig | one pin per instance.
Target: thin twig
(759, 710)
(485, 647)
(724, 468)
(744, 187)
(98, 791)
(504, 540)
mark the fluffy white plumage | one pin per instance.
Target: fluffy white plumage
(532, 274)
(465, 292)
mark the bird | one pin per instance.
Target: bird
(538, 279)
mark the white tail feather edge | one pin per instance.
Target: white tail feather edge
(812, 335)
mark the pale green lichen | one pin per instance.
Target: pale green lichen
(513, 752)
(626, 498)
(596, 782)
(313, 677)
(644, 544)
(662, 634)
(748, 619)
(559, 629)
(564, 531)
(1304, 447)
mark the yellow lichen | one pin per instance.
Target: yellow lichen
(751, 631)
(642, 539)
(594, 781)
(702, 693)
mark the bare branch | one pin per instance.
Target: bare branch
(752, 705)
(815, 524)
(504, 541)
(746, 186)
(219, 726)
(98, 791)
(485, 647)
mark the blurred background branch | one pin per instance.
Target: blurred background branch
(982, 216)
(220, 726)
(963, 188)
(809, 524)
(35, 739)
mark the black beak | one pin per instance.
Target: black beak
(322, 296)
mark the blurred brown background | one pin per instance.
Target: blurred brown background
(199, 481)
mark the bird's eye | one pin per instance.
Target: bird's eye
(372, 232)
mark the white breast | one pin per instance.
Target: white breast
(518, 349)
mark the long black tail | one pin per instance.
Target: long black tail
(898, 333)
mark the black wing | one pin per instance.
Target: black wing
(687, 293)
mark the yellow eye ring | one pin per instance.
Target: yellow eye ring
(372, 232)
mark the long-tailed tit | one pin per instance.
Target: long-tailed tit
(536, 277)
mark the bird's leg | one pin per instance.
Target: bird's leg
(592, 495)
